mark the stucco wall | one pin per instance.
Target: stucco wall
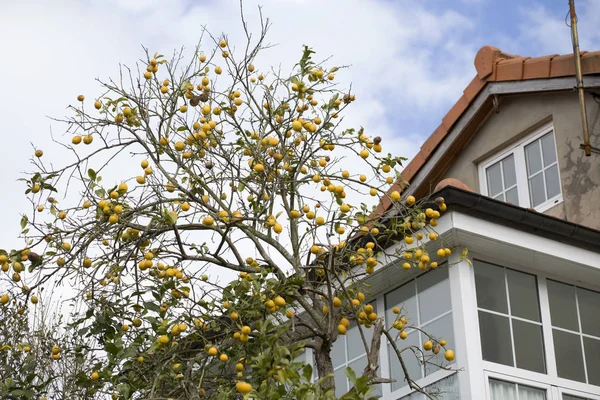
(580, 175)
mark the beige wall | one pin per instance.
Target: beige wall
(580, 175)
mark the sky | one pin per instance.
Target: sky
(409, 60)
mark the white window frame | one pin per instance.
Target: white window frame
(385, 364)
(518, 151)
(530, 378)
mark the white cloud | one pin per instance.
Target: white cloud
(399, 56)
(546, 32)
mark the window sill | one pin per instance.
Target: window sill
(545, 206)
(423, 382)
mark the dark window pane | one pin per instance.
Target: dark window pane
(512, 196)
(494, 179)
(356, 346)
(341, 382)
(358, 366)
(496, 343)
(338, 353)
(529, 347)
(500, 390)
(533, 157)
(563, 310)
(434, 294)
(552, 181)
(522, 291)
(589, 311)
(491, 289)
(548, 149)
(569, 397)
(438, 329)
(405, 299)
(537, 192)
(508, 168)
(412, 364)
(569, 359)
(592, 360)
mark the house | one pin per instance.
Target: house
(522, 309)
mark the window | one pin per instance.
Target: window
(527, 174)
(425, 301)
(540, 338)
(444, 389)
(509, 317)
(349, 351)
(575, 315)
(501, 390)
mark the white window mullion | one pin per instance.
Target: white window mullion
(472, 383)
(522, 181)
(580, 335)
(384, 360)
(510, 325)
(547, 327)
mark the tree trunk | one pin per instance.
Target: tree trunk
(325, 365)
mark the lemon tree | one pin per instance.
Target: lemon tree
(191, 172)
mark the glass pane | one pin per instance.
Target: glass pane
(356, 346)
(548, 149)
(358, 366)
(491, 290)
(569, 360)
(589, 311)
(537, 193)
(529, 347)
(592, 360)
(413, 366)
(501, 390)
(563, 310)
(552, 181)
(445, 389)
(496, 343)
(438, 329)
(341, 382)
(494, 179)
(530, 393)
(533, 158)
(500, 197)
(434, 294)
(508, 167)
(338, 353)
(512, 196)
(405, 299)
(522, 291)
(569, 397)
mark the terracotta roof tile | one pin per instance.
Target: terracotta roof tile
(510, 70)
(455, 112)
(451, 182)
(539, 67)
(432, 141)
(562, 66)
(590, 62)
(494, 65)
(473, 89)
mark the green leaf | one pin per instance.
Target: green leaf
(171, 217)
(151, 306)
(350, 374)
(112, 348)
(24, 221)
(92, 174)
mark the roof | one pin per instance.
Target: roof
(492, 65)
(523, 219)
